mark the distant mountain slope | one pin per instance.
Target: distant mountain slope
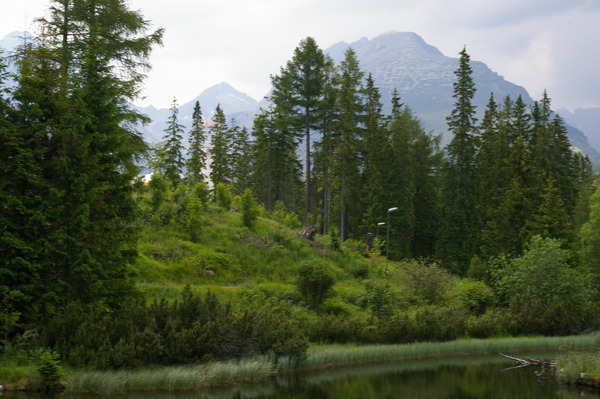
(586, 120)
(234, 104)
(397, 60)
(423, 76)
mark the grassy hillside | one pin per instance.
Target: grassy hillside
(258, 269)
(233, 261)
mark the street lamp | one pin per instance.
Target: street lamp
(387, 241)
(379, 224)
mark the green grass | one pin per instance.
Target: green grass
(170, 378)
(334, 356)
(570, 366)
(319, 357)
(16, 376)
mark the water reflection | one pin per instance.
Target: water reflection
(482, 377)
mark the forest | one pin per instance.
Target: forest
(497, 234)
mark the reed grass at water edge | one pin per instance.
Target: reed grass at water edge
(260, 368)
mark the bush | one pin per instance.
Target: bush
(314, 283)
(250, 209)
(47, 364)
(380, 300)
(427, 283)
(545, 294)
(434, 323)
(191, 218)
(475, 296)
(223, 196)
(493, 323)
(397, 329)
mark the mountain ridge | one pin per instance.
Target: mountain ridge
(421, 73)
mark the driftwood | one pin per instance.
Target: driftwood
(526, 362)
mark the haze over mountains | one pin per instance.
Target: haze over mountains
(422, 75)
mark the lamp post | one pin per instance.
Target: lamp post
(387, 241)
(379, 224)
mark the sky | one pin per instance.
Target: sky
(551, 45)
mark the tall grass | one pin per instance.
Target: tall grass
(339, 356)
(170, 378)
(257, 369)
(570, 366)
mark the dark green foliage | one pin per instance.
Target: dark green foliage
(241, 159)
(221, 164)
(47, 364)
(380, 300)
(459, 233)
(250, 210)
(297, 95)
(277, 170)
(438, 323)
(278, 336)
(193, 328)
(544, 293)
(347, 132)
(196, 162)
(172, 150)
(314, 283)
(68, 212)
(223, 195)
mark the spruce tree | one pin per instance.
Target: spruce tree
(459, 236)
(297, 93)
(241, 156)
(196, 162)
(220, 167)
(276, 168)
(377, 155)
(173, 162)
(347, 135)
(76, 125)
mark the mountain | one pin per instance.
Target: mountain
(422, 75)
(14, 39)
(424, 78)
(586, 120)
(235, 104)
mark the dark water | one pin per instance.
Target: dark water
(451, 378)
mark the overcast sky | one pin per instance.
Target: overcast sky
(538, 44)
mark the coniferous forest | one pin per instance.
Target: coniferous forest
(327, 222)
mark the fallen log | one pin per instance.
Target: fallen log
(526, 362)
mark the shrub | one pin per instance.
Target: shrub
(314, 283)
(426, 283)
(223, 196)
(397, 329)
(434, 323)
(475, 296)
(545, 294)
(47, 364)
(492, 323)
(250, 210)
(380, 300)
(191, 218)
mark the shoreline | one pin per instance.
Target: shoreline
(320, 357)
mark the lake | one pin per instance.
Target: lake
(480, 377)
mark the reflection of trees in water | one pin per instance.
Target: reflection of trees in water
(479, 377)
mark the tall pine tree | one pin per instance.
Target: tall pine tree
(172, 148)
(196, 162)
(74, 94)
(460, 197)
(298, 93)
